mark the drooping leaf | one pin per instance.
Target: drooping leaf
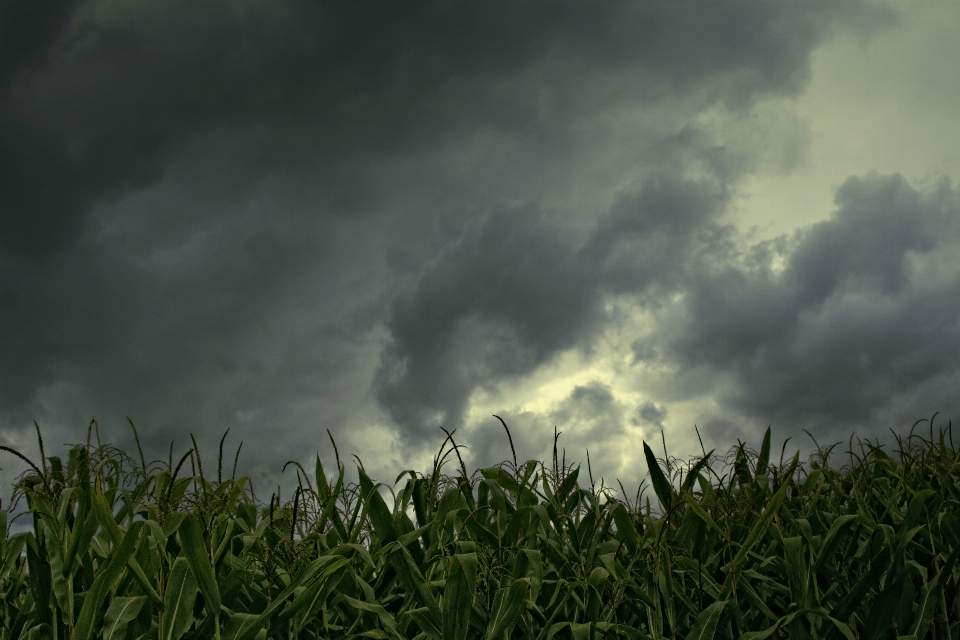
(119, 614)
(106, 578)
(763, 522)
(178, 600)
(458, 595)
(386, 619)
(242, 626)
(197, 556)
(695, 472)
(705, 625)
(508, 605)
(42, 631)
(838, 529)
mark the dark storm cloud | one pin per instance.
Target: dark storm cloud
(198, 219)
(28, 28)
(553, 297)
(861, 329)
(510, 293)
(121, 91)
(146, 334)
(652, 414)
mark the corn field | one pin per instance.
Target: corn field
(743, 546)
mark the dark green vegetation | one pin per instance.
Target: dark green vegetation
(741, 547)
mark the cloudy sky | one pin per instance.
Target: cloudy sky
(378, 218)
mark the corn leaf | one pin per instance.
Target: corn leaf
(178, 600)
(107, 577)
(197, 556)
(119, 614)
(458, 596)
(706, 623)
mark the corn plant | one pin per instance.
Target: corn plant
(735, 547)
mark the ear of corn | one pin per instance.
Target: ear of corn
(738, 548)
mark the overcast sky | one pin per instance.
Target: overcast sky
(378, 218)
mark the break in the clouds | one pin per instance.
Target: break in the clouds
(513, 291)
(380, 218)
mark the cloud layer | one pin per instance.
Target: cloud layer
(284, 217)
(858, 328)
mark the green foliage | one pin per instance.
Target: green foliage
(740, 548)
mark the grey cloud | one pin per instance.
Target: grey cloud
(646, 237)
(126, 87)
(862, 327)
(652, 414)
(506, 296)
(190, 329)
(514, 291)
(27, 30)
(592, 406)
(199, 224)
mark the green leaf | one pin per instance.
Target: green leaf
(703, 515)
(242, 626)
(387, 620)
(119, 614)
(282, 601)
(706, 623)
(414, 581)
(197, 555)
(760, 527)
(762, 635)
(569, 484)
(309, 601)
(104, 515)
(40, 632)
(695, 471)
(39, 575)
(840, 626)
(12, 551)
(625, 527)
(834, 537)
(507, 607)
(106, 578)
(84, 527)
(58, 582)
(881, 613)
(379, 513)
(796, 568)
(581, 631)
(427, 622)
(916, 508)
(458, 595)
(928, 597)
(178, 600)
(661, 485)
(763, 461)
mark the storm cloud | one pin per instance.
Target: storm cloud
(379, 218)
(99, 98)
(514, 291)
(860, 325)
